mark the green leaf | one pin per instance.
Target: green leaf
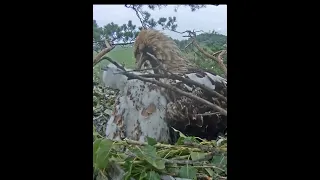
(151, 141)
(180, 141)
(209, 171)
(128, 166)
(96, 144)
(149, 154)
(216, 160)
(143, 175)
(191, 139)
(153, 176)
(96, 134)
(188, 172)
(197, 155)
(103, 152)
(180, 133)
(219, 161)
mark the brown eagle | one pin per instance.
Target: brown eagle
(184, 114)
(163, 48)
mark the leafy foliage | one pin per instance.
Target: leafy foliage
(151, 160)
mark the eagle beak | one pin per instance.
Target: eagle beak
(140, 62)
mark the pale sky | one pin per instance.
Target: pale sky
(209, 18)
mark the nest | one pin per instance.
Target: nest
(189, 158)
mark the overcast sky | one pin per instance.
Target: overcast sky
(209, 18)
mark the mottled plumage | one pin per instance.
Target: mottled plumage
(183, 113)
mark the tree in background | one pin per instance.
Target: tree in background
(198, 48)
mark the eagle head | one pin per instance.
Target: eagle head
(162, 47)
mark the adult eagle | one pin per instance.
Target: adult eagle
(143, 109)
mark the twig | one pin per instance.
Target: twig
(222, 66)
(159, 145)
(139, 70)
(176, 77)
(115, 44)
(216, 52)
(115, 63)
(187, 81)
(221, 54)
(121, 44)
(97, 58)
(202, 147)
(137, 13)
(206, 157)
(188, 45)
(172, 88)
(207, 114)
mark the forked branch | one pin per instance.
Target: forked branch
(218, 60)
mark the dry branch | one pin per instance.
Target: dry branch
(221, 54)
(222, 66)
(187, 81)
(115, 63)
(192, 35)
(98, 57)
(215, 53)
(188, 45)
(172, 88)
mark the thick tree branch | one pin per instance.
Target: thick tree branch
(187, 81)
(98, 57)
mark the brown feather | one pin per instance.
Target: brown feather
(163, 48)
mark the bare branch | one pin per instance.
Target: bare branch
(122, 44)
(215, 53)
(222, 66)
(113, 62)
(221, 54)
(97, 58)
(138, 15)
(172, 88)
(188, 45)
(187, 81)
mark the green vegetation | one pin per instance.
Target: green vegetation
(211, 42)
(149, 160)
(123, 55)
